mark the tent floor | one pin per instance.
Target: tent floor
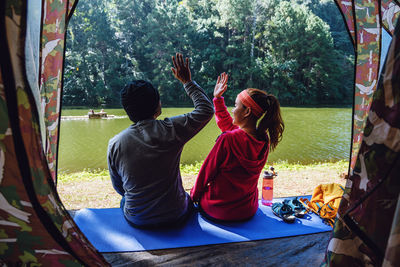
(305, 250)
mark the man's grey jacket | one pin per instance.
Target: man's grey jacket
(143, 162)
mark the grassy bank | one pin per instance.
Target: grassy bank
(93, 189)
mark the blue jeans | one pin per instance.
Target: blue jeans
(180, 221)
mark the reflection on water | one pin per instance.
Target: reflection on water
(311, 134)
(78, 118)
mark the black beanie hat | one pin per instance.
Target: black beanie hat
(140, 100)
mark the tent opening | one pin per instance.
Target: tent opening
(34, 85)
(252, 41)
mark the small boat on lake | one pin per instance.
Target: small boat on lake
(85, 117)
(97, 115)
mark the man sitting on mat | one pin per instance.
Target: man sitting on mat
(143, 160)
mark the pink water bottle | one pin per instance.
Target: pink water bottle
(268, 187)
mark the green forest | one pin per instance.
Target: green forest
(297, 50)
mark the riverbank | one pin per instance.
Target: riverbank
(93, 189)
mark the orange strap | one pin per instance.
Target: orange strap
(325, 211)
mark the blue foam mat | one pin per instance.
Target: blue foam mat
(108, 231)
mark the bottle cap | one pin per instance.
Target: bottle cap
(272, 168)
(268, 175)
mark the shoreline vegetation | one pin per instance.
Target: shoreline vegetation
(189, 105)
(93, 188)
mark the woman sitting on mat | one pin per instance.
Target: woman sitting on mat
(226, 187)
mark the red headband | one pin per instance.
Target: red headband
(249, 102)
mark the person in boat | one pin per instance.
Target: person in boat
(144, 159)
(226, 186)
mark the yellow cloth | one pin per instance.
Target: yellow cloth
(325, 201)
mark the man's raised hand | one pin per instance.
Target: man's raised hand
(181, 68)
(221, 85)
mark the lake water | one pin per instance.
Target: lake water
(311, 135)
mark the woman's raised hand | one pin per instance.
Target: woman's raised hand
(221, 85)
(181, 70)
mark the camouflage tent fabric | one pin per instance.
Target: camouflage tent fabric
(393, 249)
(366, 232)
(37, 230)
(55, 19)
(365, 20)
(35, 227)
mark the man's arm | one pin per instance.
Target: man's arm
(115, 178)
(188, 125)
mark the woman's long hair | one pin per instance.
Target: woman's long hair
(270, 123)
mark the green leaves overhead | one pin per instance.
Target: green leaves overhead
(282, 47)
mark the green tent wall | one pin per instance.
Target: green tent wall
(36, 228)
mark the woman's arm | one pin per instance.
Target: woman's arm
(222, 116)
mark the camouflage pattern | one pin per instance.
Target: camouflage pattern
(368, 38)
(390, 13)
(55, 20)
(346, 8)
(71, 7)
(32, 215)
(366, 232)
(393, 248)
(363, 21)
(35, 228)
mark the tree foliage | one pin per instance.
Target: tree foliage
(292, 49)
